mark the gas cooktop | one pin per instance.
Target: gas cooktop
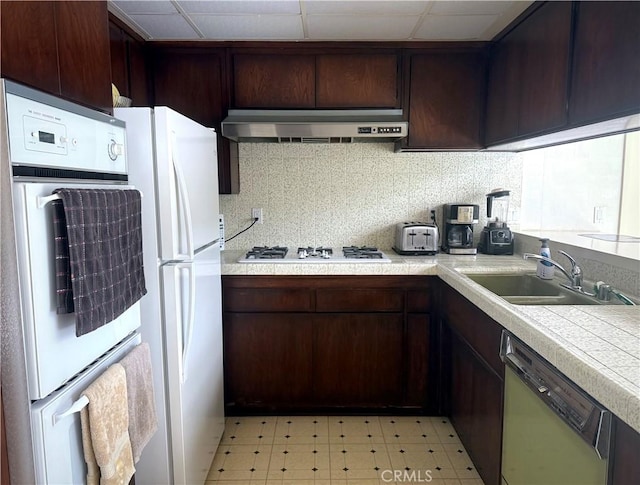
(310, 254)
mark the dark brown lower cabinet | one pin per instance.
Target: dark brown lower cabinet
(475, 382)
(625, 460)
(296, 344)
(358, 359)
(268, 359)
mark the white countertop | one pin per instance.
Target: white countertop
(597, 346)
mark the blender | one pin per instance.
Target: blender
(496, 237)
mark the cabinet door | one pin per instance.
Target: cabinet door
(446, 100)
(605, 81)
(358, 359)
(461, 388)
(29, 54)
(357, 81)
(119, 62)
(267, 359)
(545, 38)
(418, 356)
(624, 463)
(190, 83)
(83, 52)
(476, 409)
(503, 91)
(273, 81)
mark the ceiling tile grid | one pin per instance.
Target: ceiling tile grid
(317, 20)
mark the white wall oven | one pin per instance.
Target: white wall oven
(48, 144)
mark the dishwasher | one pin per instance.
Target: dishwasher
(553, 432)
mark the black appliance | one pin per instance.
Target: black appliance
(496, 237)
(458, 228)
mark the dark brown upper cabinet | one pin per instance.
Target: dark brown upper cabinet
(59, 47)
(192, 82)
(273, 81)
(357, 80)
(606, 67)
(128, 64)
(307, 80)
(446, 100)
(529, 75)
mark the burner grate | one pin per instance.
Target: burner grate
(265, 252)
(363, 252)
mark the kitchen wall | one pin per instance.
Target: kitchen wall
(344, 194)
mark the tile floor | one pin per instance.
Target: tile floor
(341, 450)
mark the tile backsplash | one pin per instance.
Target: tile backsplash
(342, 194)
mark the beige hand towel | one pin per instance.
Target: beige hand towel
(105, 423)
(143, 422)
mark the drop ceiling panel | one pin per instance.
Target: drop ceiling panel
(468, 8)
(243, 27)
(165, 26)
(382, 7)
(135, 6)
(361, 27)
(241, 6)
(332, 20)
(455, 27)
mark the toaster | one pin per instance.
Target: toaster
(416, 238)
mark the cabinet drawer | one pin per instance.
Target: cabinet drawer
(361, 300)
(480, 331)
(418, 301)
(268, 300)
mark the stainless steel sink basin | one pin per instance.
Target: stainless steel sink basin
(528, 289)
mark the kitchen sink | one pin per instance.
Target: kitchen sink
(528, 289)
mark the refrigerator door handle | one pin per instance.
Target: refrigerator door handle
(191, 316)
(183, 199)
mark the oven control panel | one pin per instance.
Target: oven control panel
(50, 134)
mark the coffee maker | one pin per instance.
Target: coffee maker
(496, 237)
(458, 228)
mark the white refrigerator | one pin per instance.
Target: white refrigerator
(173, 162)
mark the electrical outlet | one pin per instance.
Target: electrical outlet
(598, 214)
(221, 222)
(257, 214)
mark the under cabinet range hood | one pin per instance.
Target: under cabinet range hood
(315, 126)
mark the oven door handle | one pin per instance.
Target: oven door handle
(76, 407)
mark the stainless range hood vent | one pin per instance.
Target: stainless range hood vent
(315, 126)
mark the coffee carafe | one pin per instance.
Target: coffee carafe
(496, 237)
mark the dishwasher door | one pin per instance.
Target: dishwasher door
(540, 448)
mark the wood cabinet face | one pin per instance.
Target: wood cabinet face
(606, 67)
(273, 81)
(419, 391)
(529, 76)
(83, 52)
(358, 359)
(625, 466)
(190, 83)
(357, 80)
(503, 93)
(119, 61)
(446, 100)
(366, 351)
(29, 51)
(267, 358)
(545, 38)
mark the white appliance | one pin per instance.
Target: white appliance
(48, 143)
(173, 161)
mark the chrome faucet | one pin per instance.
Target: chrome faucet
(574, 276)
